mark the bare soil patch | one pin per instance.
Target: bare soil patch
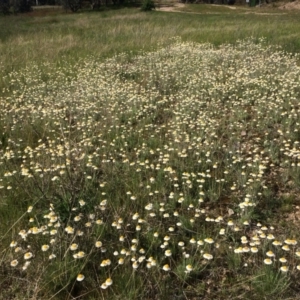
(171, 8)
(295, 5)
(227, 6)
(181, 5)
(174, 8)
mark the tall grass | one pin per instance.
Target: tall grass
(25, 39)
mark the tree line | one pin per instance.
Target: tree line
(23, 6)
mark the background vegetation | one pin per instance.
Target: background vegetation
(58, 36)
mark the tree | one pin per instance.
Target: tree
(74, 5)
(95, 4)
(5, 7)
(147, 5)
(24, 6)
(16, 6)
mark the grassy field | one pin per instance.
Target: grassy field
(150, 155)
(51, 38)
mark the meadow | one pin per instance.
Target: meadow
(150, 155)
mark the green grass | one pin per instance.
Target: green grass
(158, 136)
(51, 38)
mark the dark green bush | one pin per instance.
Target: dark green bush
(5, 7)
(147, 5)
(24, 6)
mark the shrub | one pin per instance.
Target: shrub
(24, 6)
(147, 5)
(5, 7)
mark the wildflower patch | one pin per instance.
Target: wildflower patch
(162, 167)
